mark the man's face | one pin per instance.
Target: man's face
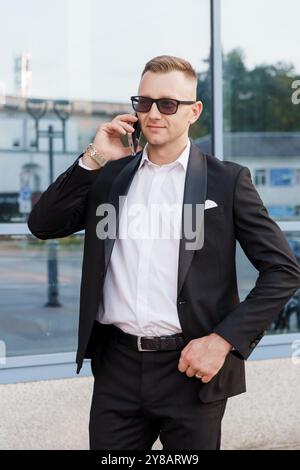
(168, 128)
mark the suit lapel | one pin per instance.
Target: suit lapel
(194, 193)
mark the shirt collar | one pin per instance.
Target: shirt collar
(182, 159)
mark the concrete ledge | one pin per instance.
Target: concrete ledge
(54, 414)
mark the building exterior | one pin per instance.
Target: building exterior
(20, 159)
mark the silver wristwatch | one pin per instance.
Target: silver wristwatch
(95, 155)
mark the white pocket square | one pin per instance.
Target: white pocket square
(209, 204)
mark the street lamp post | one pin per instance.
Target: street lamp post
(37, 109)
(50, 134)
(63, 109)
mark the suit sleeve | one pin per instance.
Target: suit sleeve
(279, 274)
(60, 211)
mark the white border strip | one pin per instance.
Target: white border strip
(62, 366)
(22, 229)
(289, 225)
(19, 229)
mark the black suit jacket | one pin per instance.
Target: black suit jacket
(208, 298)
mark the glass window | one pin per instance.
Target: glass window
(288, 319)
(261, 113)
(90, 81)
(69, 66)
(261, 65)
(39, 310)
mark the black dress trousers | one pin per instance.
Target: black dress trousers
(139, 396)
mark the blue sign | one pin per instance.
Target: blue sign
(281, 211)
(25, 193)
(281, 177)
(25, 200)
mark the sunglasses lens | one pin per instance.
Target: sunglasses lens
(167, 106)
(141, 105)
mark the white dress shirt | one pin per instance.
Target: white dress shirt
(140, 287)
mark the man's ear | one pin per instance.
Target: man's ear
(200, 108)
(199, 112)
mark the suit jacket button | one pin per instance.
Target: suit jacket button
(181, 301)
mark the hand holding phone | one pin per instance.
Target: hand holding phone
(133, 138)
(108, 142)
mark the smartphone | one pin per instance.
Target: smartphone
(133, 139)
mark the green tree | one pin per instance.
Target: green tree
(254, 100)
(258, 100)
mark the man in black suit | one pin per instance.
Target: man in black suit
(160, 317)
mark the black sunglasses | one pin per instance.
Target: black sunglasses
(142, 104)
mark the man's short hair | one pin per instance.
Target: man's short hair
(168, 63)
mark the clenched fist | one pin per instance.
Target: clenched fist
(204, 356)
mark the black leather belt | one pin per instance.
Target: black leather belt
(150, 343)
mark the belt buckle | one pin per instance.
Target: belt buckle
(139, 345)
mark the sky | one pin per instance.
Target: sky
(96, 50)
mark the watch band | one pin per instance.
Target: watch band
(92, 152)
